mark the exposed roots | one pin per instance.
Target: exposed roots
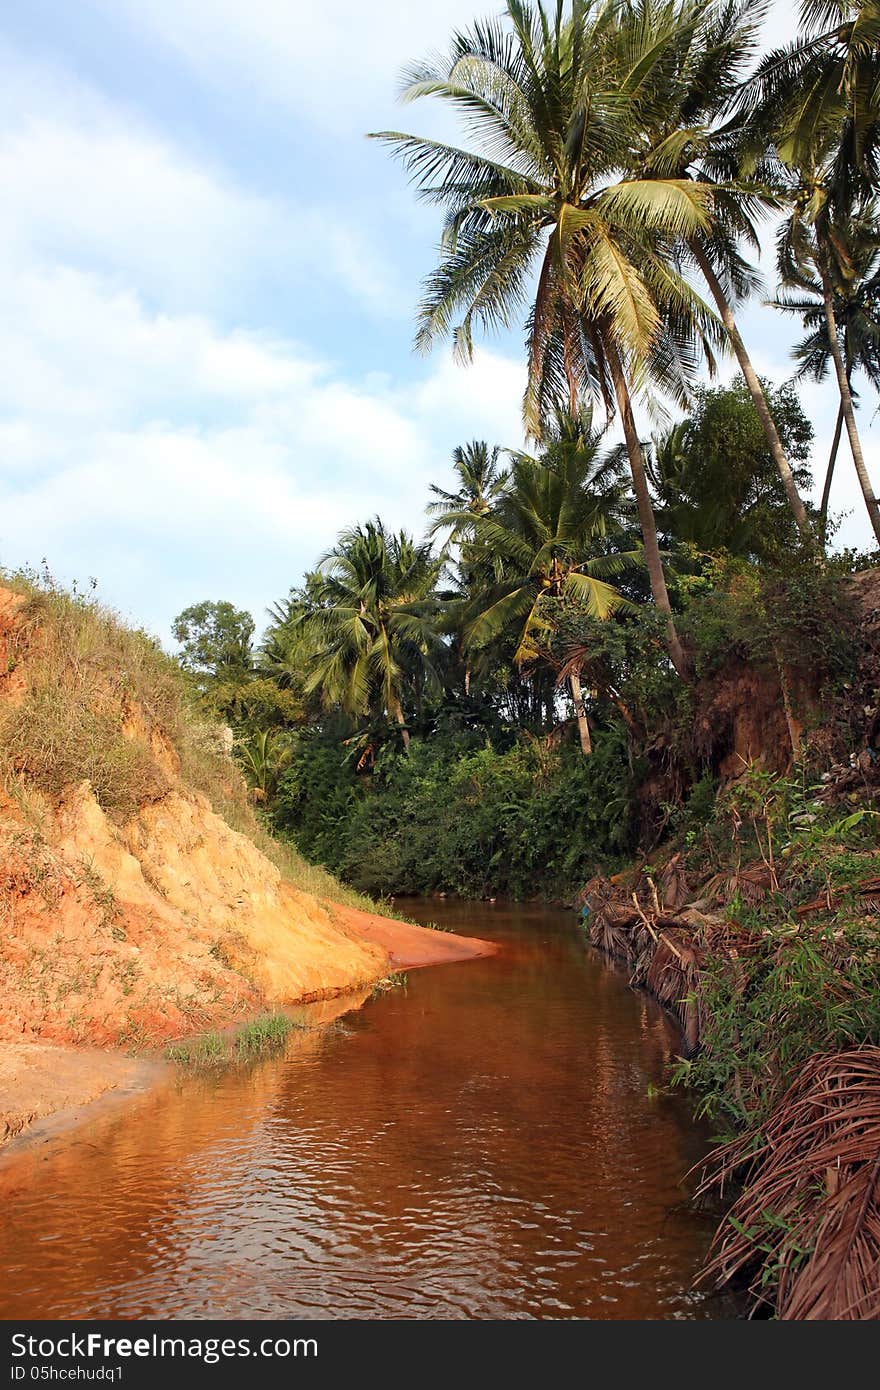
(664, 949)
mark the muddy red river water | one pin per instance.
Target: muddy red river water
(485, 1142)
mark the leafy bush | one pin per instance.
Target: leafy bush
(808, 981)
(805, 990)
(454, 817)
(797, 617)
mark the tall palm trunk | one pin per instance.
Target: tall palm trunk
(395, 709)
(846, 401)
(829, 474)
(755, 389)
(646, 511)
(577, 695)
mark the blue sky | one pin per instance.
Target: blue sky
(209, 282)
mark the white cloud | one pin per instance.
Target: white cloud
(87, 182)
(176, 460)
(338, 64)
(147, 434)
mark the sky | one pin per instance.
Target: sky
(209, 278)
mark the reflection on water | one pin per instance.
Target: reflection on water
(480, 1144)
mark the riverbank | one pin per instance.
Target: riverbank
(760, 936)
(39, 1082)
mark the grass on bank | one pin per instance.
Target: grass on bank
(263, 1035)
(103, 703)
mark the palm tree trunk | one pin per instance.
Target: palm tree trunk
(846, 401)
(577, 695)
(396, 710)
(755, 389)
(646, 511)
(829, 474)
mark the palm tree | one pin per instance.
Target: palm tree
(553, 536)
(480, 481)
(551, 102)
(374, 630)
(286, 648)
(856, 301)
(813, 242)
(820, 91)
(264, 756)
(818, 108)
(685, 131)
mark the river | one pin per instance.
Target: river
(485, 1142)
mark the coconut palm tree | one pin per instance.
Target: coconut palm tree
(286, 649)
(856, 302)
(686, 130)
(555, 537)
(480, 481)
(550, 100)
(818, 106)
(816, 242)
(374, 630)
(820, 92)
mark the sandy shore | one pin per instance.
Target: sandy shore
(410, 947)
(45, 1089)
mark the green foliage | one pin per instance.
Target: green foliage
(555, 535)
(215, 639)
(374, 625)
(805, 990)
(461, 818)
(717, 483)
(796, 615)
(803, 984)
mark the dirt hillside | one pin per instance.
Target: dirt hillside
(131, 912)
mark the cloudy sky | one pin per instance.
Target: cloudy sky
(208, 280)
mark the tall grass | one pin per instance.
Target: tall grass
(98, 700)
(103, 702)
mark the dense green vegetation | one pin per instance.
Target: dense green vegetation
(486, 789)
(801, 901)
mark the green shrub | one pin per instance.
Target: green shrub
(453, 817)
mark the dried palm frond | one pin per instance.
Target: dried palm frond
(674, 888)
(867, 893)
(751, 883)
(810, 1210)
